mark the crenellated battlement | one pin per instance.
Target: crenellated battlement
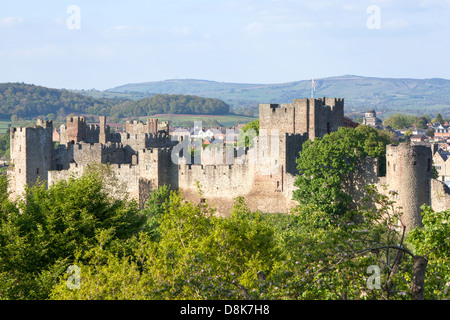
(80, 119)
(136, 126)
(316, 117)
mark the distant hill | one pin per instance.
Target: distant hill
(171, 104)
(385, 95)
(28, 101)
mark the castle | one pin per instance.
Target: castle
(145, 157)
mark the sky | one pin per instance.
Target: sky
(103, 44)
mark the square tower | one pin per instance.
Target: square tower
(31, 156)
(316, 117)
(76, 129)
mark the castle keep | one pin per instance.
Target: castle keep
(145, 157)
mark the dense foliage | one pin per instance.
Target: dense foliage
(177, 249)
(27, 101)
(4, 145)
(325, 164)
(40, 234)
(402, 121)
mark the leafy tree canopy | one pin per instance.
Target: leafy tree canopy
(325, 164)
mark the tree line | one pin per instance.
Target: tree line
(28, 101)
(402, 121)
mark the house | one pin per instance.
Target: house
(441, 162)
(442, 132)
(444, 147)
(418, 132)
(418, 138)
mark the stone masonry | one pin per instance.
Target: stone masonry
(145, 157)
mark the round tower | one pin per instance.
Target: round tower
(408, 173)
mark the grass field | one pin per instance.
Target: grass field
(4, 126)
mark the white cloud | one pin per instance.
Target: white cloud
(254, 28)
(10, 21)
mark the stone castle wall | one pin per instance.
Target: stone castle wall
(141, 159)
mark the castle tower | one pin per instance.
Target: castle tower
(316, 117)
(409, 174)
(297, 122)
(103, 138)
(31, 156)
(152, 125)
(76, 129)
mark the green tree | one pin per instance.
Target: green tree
(199, 256)
(432, 242)
(408, 133)
(399, 121)
(439, 119)
(248, 132)
(421, 123)
(155, 208)
(249, 255)
(40, 234)
(4, 145)
(325, 164)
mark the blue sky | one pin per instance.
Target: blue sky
(247, 41)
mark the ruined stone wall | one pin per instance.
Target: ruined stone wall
(92, 133)
(137, 127)
(227, 181)
(279, 117)
(133, 142)
(62, 157)
(259, 175)
(365, 173)
(121, 181)
(86, 153)
(221, 184)
(75, 170)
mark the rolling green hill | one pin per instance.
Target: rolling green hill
(29, 101)
(386, 95)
